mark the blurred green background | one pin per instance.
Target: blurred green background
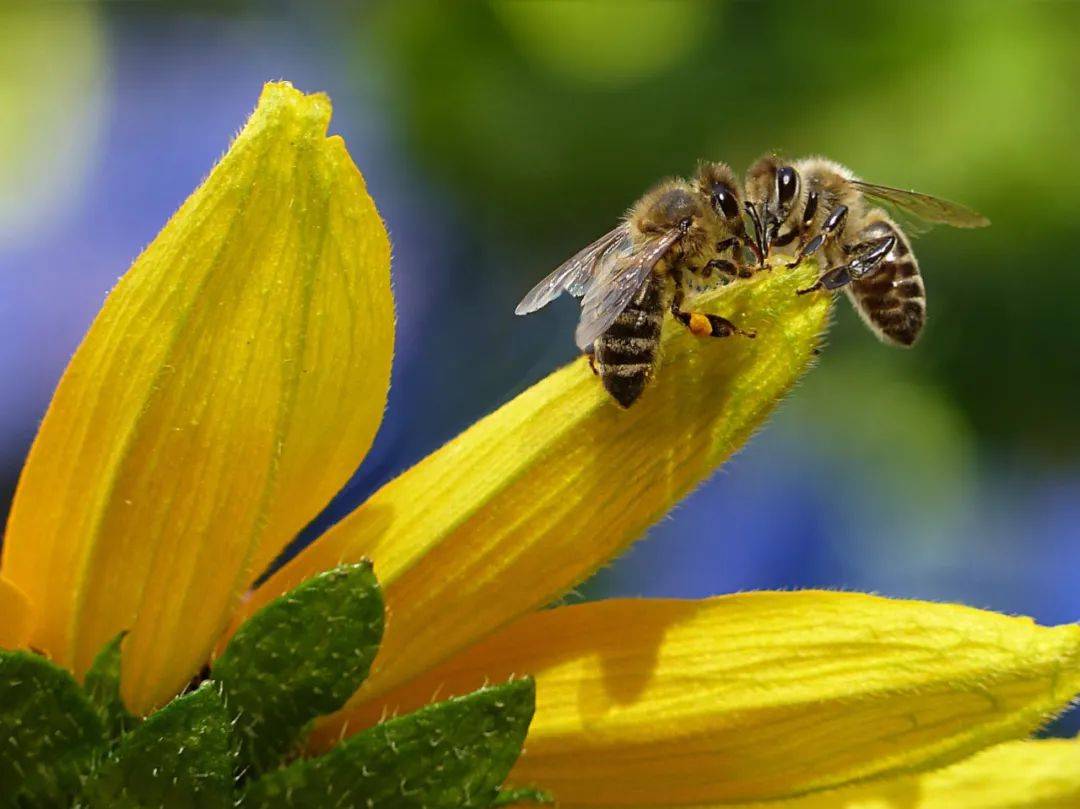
(498, 138)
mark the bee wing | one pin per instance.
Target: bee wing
(574, 274)
(924, 206)
(620, 276)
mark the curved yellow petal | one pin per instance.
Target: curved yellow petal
(1017, 775)
(758, 696)
(533, 498)
(14, 616)
(230, 385)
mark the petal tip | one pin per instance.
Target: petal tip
(281, 100)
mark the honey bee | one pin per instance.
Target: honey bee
(817, 205)
(681, 237)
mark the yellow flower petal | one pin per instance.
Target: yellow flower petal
(532, 499)
(228, 388)
(1038, 775)
(14, 616)
(754, 697)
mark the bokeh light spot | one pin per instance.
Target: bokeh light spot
(609, 42)
(53, 60)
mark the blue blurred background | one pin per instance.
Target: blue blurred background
(497, 138)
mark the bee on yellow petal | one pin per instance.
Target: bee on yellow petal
(682, 237)
(818, 205)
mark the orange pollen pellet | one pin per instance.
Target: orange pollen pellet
(700, 325)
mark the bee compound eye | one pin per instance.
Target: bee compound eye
(724, 202)
(786, 183)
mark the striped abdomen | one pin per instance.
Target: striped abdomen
(626, 354)
(891, 299)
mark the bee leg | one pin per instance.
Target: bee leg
(734, 268)
(590, 353)
(726, 268)
(869, 257)
(808, 249)
(739, 244)
(809, 212)
(783, 240)
(727, 244)
(831, 229)
(704, 325)
(748, 243)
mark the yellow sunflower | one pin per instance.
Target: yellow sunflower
(237, 375)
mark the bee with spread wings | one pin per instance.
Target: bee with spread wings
(680, 237)
(817, 205)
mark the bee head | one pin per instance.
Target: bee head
(771, 191)
(672, 205)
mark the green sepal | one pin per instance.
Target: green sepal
(102, 685)
(301, 656)
(49, 731)
(512, 796)
(181, 757)
(451, 755)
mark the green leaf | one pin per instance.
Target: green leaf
(299, 657)
(180, 758)
(48, 731)
(512, 796)
(450, 755)
(102, 685)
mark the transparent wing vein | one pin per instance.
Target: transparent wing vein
(924, 206)
(576, 273)
(615, 286)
